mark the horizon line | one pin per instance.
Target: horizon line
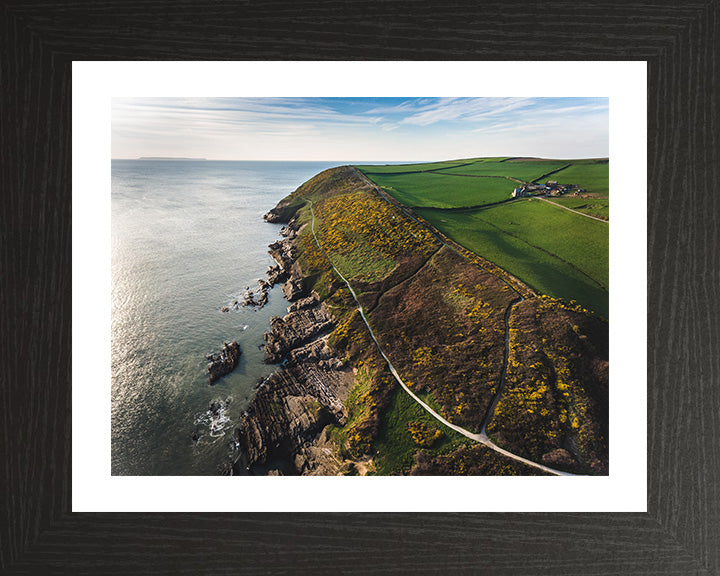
(415, 161)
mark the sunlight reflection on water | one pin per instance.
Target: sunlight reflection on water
(187, 237)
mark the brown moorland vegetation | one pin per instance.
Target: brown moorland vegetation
(445, 332)
(554, 407)
(477, 460)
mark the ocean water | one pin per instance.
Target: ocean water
(187, 238)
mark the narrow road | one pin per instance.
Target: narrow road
(482, 438)
(571, 210)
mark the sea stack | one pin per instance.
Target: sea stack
(224, 362)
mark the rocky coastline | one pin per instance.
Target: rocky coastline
(286, 427)
(458, 331)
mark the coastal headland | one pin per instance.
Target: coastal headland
(402, 352)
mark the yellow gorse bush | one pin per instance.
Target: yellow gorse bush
(423, 435)
(350, 220)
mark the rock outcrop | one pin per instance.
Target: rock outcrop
(295, 330)
(288, 231)
(309, 302)
(294, 288)
(287, 418)
(283, 212)
(286, 270)
(276, 275)
(224, 362)
(249, 297)
(283, 252)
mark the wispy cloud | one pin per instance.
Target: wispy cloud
(405, 127)
(241, 111)
(465, 109)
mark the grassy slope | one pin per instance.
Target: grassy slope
(398, 450)
(395, 444)
(518, 236)
(581, 241)
(443, 191)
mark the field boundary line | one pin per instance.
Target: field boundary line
(461, 209)
(549, 173)
(428, 171)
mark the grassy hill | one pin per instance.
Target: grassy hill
(442, 317)
(436, 189)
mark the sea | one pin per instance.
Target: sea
(188, 237)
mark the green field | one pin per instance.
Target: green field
(599, 207)
(554, 251)
(395, 168)
(443, 191)
(525, 171)
(593, 177)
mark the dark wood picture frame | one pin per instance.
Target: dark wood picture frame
(680, 533)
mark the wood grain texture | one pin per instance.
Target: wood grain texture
(680, 534)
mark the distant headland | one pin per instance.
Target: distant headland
(168, 158)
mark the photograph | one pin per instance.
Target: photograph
(360, 286)
(360, 255)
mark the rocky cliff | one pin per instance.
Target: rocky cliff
(285, 428)
(300, 327)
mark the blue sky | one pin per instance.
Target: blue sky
(359, 129)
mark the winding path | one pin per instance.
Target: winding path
(503, 372)
(482, 437)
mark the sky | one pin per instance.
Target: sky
(359, 129)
